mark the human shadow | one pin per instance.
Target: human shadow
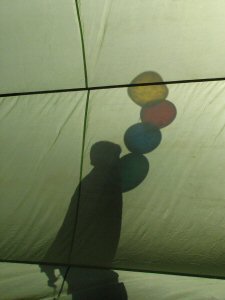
(90, 232)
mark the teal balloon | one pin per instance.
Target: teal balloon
(134, 169)
(142, 138)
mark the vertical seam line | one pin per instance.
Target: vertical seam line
(83, 142)
(82, 43)
(81, 173)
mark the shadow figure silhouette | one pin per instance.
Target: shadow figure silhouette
(90, 232)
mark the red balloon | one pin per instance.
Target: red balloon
(159, 113)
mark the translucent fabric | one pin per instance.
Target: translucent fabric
(40, 46)
(41, 142)
(112, 149)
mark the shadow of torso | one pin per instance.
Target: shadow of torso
(99, 217)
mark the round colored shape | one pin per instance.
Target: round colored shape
(134, 169)
(160, 113)
(142, 95)
(142, 138)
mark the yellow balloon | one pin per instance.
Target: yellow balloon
(145, 94)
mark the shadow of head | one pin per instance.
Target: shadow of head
(104, 154)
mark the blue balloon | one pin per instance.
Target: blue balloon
(134, 169)
(142, 138)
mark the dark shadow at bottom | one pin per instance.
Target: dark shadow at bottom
(93, 284)
(85, 283)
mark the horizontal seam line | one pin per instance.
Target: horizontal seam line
(92, 88)
(116, 269)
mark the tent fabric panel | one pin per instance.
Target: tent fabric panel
(144, 286)
(40, 46)
(124, 38)
(93, 284)
(173, 220)
(41, 141)
(31, 282)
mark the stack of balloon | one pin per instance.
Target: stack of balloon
(144, 137)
